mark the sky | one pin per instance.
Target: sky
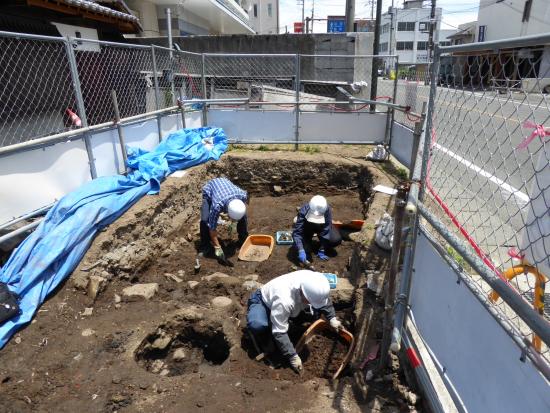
(455, 12)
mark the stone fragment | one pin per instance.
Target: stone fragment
(88, 332)
(192, 284)
(214, 276)
(157, 366)
(95, 286)
(173, 277)
(162, 342)
(251, 285)
(179, 355)
(88, 311)
(118, 299)
(221, 302)
(277, 189)
(251, 277)
(140, 291)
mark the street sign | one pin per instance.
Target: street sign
(298, 27)
(336, 24)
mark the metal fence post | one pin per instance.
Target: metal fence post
(394, 97)
(417, 133)
(429, 121)
(399, 212)
(297, 81)
(80, 104)
(157, 91)
(203, 81)
(119, 128)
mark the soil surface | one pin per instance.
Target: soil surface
(323, 354)
(92, 348)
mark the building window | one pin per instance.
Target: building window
(384, 47)
(386, 28)
(269, 10)
(405, 45)
(255, 10)
(406, 26)
(422, 46)
(424, 26)
(445, 43)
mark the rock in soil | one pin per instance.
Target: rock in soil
(179, 354)
(212, 277)
(192, 284)
(221, 302)
(140, 291)
(251, 285)
(95, 286)
(88, 332)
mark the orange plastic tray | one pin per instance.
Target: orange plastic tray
(257, 248)
(355, 224)
(321, 325)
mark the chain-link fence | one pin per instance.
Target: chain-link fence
(260, 78)
(488, 172)
(104, 67)
(51, 85)
(37, 94)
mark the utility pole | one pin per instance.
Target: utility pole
(303, 15)
(375, 49)
(350, 15)
(393, 16)
(312, 14)
(431, 38)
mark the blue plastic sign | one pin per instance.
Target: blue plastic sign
(336, 25)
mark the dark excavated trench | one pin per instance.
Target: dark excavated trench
(276, 189)
(182, 350)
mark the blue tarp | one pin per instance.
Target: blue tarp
(49, 255)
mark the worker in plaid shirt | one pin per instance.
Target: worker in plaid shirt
(221, 195)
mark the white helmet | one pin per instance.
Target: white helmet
(316, 289)
(236, 209)
(317, 207)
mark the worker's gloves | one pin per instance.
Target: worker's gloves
(336, 324)
(218, 251)
(302, 256)
(321, 254)
(296, 363)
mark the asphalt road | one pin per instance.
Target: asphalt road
(476, 166)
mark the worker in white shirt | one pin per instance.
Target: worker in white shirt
(271, 306)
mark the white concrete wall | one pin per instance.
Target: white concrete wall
(511, 12)
(478, 357)
(263, 23)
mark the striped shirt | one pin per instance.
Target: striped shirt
(219, 192)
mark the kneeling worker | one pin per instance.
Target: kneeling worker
(221, 195)
(284, 297)
(315, 217)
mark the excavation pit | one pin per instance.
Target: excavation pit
(183, 352)
(207, 359)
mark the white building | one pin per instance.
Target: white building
(512, 18)
(199, 17)
(264, 16)
(410, 36)
(466, 33)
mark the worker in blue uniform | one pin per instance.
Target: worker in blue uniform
(315, 218)
(220, 195)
